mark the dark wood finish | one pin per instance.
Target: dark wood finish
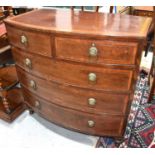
(5, 54)
(65, 22)
(8, 78)
(37, 42)
(78, 75)
(16, 105)
(54, 74)
(78, 120)
(3, 38)
(111, 9)
(6, 58)
(76, 98)
(11, 99)
(146, 11)
(109, 52)
(20, 55)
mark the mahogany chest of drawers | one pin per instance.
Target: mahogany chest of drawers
(78, 69)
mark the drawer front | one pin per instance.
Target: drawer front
(34, 42)
(76, 74)
(108, 52)
(80, 121)
(79, 99)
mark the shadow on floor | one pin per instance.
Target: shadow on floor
(74, 136)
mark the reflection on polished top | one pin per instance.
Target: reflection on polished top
(92, 23)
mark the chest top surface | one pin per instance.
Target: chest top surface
(68, 21)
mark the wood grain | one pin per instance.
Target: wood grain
(76, 120)
(57, 52)
(75, 98)
(77, 74)
(79, 22)
(109, 52)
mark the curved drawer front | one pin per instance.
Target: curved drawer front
(83, 122)
(93, 51)
(35, 42)
(80, 99)
(76, 74)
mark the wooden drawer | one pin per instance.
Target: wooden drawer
(76, 120)
(108, 52)
(76, 74)
(79, 99)
(34, 42)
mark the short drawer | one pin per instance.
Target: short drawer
(77, 120)
(34, 42)
(92, 77)
(98, 102)
(96, 51)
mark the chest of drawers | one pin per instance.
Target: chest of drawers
(78, 69)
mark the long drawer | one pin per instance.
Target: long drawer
(75, 74)
(71, 97)
(76, 120)
(36, 42)
(96, 51)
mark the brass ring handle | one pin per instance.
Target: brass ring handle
(37, 104)
(23, 39)
(93, 51)
(92, 77)
(92, 101)
(33, 84)
(91, 123)
(28, 63)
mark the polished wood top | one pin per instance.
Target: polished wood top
(78, 22)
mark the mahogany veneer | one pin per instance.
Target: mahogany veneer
(11, 98)
(15, 99)
(79, 69)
